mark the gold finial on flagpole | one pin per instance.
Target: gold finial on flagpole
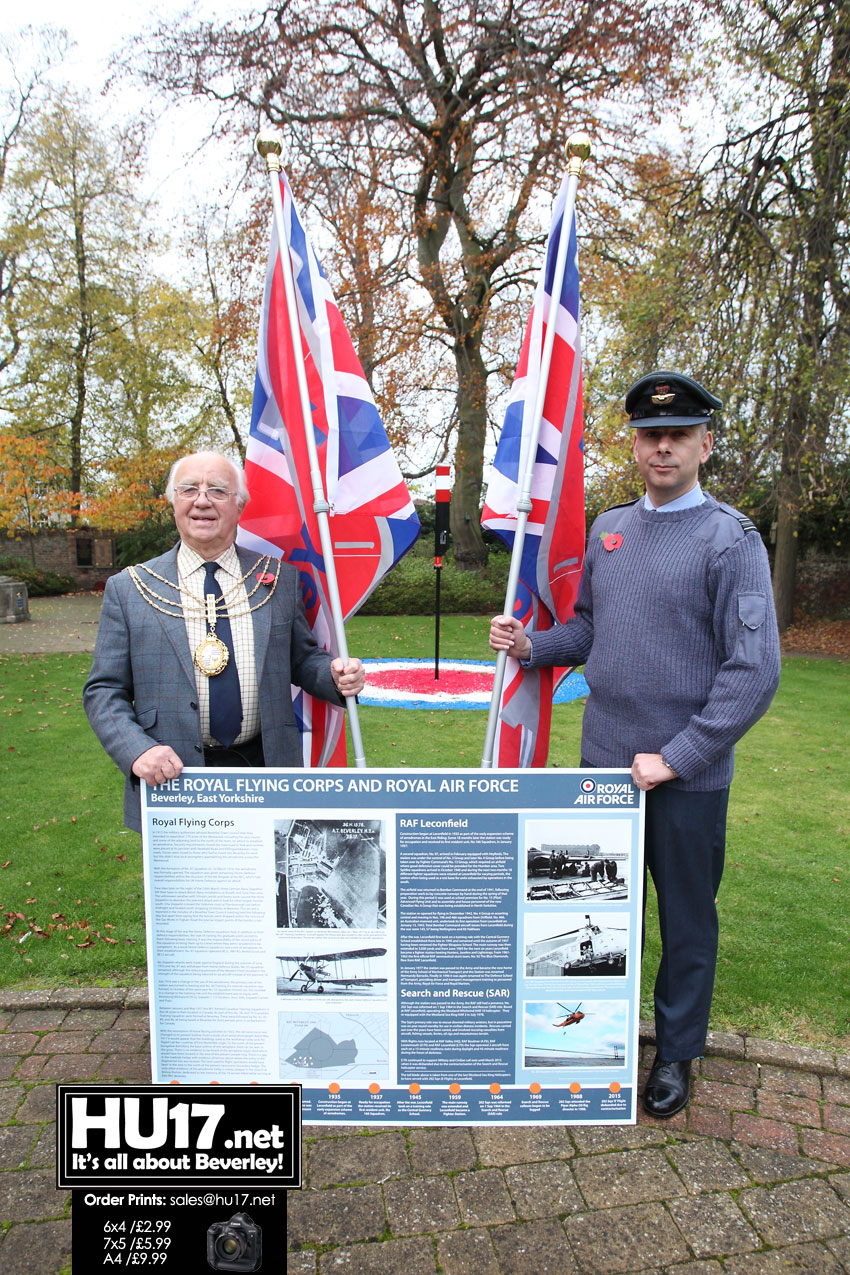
(269, 146)
(578, 149)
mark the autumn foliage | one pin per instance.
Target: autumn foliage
(34, 492)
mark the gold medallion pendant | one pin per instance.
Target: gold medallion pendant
(211, 655)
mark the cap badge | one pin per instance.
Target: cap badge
(662, 395)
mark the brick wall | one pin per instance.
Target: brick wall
(823, 588)
(87, 556)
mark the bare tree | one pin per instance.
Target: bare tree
(783, 205)
(468, 103)
(25, 60)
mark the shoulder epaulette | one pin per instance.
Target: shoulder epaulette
(627, 504)
(746, 523)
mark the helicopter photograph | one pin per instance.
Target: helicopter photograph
(587, 1034)
(596, 947)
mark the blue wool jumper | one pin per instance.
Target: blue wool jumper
(676, 629)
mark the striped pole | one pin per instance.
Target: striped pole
(441, 544)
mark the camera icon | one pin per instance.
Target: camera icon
(236, 1245)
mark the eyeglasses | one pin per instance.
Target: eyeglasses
(190, 491)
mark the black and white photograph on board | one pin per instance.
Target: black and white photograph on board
(331, 874)
(580, 861)
(590, 945)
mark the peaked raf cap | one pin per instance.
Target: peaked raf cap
(669, 398)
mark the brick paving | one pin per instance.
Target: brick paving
(753, 1179)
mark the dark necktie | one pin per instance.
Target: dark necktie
(225, 696)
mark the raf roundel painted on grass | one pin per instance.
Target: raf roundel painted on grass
(611, 540)
(462, 684)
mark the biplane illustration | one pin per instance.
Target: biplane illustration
(316, 971)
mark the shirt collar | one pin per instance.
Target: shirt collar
(691, 498)
(189, 561)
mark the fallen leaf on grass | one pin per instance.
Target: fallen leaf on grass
(88, 943)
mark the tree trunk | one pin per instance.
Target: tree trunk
(785, 561)
(468, 542)
(80, 360)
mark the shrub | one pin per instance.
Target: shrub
(149, 539)
(40, 583)
(409, 589)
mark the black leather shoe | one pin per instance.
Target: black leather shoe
(668, 1089)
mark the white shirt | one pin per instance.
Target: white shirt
(191, 572)
(688, 501)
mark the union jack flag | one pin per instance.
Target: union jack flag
(372, 519)
(553, 550)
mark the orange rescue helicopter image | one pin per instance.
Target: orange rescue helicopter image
(572, 1015)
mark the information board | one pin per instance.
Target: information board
(432, 946)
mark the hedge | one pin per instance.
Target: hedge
(40, 583)
(409, 589)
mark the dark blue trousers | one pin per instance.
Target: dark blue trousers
(685, 844)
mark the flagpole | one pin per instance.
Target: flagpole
(269, 147)
(441, 544)
(578, 149)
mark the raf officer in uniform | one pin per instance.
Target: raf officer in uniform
(676, 628)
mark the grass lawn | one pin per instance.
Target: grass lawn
(71, 894)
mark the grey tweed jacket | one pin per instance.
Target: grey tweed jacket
(141, 690)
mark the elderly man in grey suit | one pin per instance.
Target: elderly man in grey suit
(196, 650)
